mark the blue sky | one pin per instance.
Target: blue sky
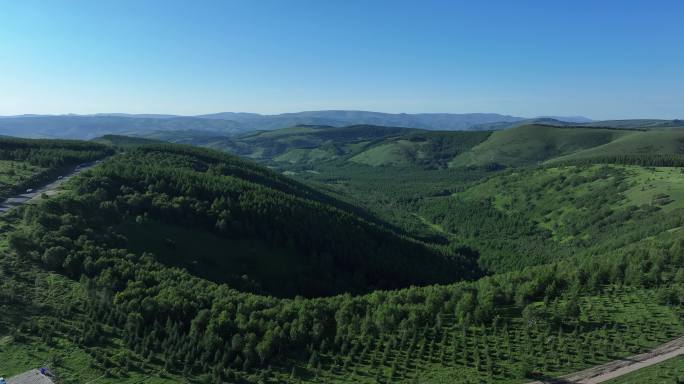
(602, 59)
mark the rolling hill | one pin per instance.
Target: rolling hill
(655, 144)
(91, 126)
(167, 263)
(532, 144)
(362, 144)
(522, 145)
(341, 118)
(229, 123)
(538, 143)
(233, 221)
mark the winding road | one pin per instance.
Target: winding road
(617, 368)
(49, 189)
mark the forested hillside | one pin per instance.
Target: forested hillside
(168, 263)
(231, 221)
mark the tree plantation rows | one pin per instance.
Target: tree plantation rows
(645, 160)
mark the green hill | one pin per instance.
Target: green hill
(362, 144)
(640, 147)
(236, 222)
(167, 263)
(533, 144)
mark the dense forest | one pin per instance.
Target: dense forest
(321, 249)
(186, 264)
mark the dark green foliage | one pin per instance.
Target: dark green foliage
(334, 251)
(643, 159)
(51, 153)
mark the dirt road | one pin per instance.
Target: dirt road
(48, 189)
(621, 367)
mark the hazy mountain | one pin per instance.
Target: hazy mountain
(88, 127)
(569, 119)
(236, 123)
(340, 118)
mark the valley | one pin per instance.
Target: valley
(360, 254)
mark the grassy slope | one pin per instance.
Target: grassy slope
(568, 210)
(662, 186)
(532, 144)
(664, 142)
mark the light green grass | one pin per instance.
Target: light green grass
(662, 186)
(399, 152)
(652, 142)
(634, 323)
(669, 371)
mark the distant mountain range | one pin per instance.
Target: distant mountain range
(234, 123)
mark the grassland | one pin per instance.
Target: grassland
(399, 152)
(661, 186)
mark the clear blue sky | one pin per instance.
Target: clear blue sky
(602, 59)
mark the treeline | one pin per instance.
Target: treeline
(644, 160)
(51, 153)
